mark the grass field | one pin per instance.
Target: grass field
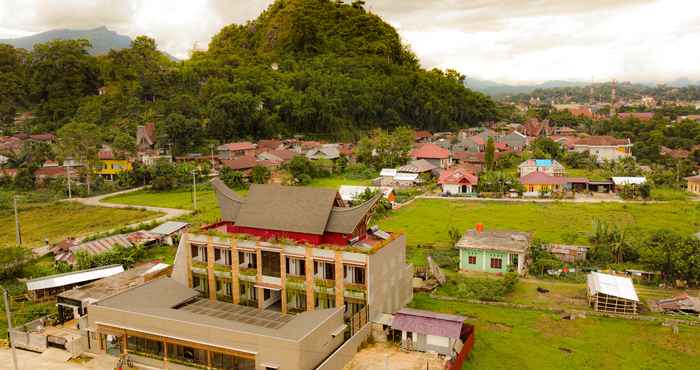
(426, 221)
(508, 338)
(56, 221)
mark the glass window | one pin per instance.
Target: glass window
(472, 260)
(139, 345)
(187, 354)
(496, 263)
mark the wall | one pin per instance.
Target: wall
(389, 278)
(347, 351)
(483, 260)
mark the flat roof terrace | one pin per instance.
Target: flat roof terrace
(244, 314)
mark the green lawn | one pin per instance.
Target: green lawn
(335, 182)
(56, 221)
(426, 221)
(508, 338)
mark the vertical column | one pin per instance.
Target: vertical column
(235, 283)
(283, 281)
(309, 279)
(258, 278)
(339, 280)
(210, 269)
(165, 354)
(188, 258)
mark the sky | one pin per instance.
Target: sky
(511, 41)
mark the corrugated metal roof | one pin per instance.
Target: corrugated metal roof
(616, 286)
(405, 176)
(169, 227)
(426, 322)
(73, 277)
(102, 245)
(629, 180)
(388, 172)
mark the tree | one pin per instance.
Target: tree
(185, 133)
(490, 156)
(235, 115)
(232, 179)
(61, 72)
(260, 175)
(163, 176)
(301, 169)
(12, 260)
(78, 140)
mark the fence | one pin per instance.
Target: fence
(359, 320)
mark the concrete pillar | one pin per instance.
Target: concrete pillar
(283, 281)
(309, 279)
(188, 259)
(258, 278)
(339, 281)
(210, 269)
(235, 284)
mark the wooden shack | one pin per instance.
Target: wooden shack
(612, 294)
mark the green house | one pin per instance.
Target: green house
(493, 251)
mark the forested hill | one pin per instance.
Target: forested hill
(101, 39)
(314, 67)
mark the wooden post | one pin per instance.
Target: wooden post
(339, 280)
(210, 269)
(283, 282)
(309, 279)
(165, 354)
(235, 284)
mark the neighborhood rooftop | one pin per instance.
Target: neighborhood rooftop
(496, 240)
(69, 278)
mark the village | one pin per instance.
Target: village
(238, 243)
(349, 185)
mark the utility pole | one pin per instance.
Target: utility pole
(9, 328)
(194, 189)
(18, 234)
(70, 195)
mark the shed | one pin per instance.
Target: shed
(47, 287)
(428, 331)
(612, 294)
(169, 229)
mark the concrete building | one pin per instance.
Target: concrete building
(694, 184)
(548, 166)
(458, 181)
(493, 251)
(604, 147)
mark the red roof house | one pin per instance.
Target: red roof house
(457, 181)
(434, 154)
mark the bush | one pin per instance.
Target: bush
(12, 260)
(483, 289)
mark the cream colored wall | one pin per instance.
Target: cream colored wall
(389, 278)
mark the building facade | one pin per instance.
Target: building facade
(694, 184)
(493, 251)
(604, 147)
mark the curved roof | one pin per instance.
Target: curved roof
(229, 202)
(344, 220)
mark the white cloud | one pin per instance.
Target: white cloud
(507, 40)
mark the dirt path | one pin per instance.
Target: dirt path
(383, 357)
(96, 201)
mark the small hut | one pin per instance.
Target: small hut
(612, 294)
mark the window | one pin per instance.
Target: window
(187, 354)
(195, 250)
(266, 294)
(145, 346)
(496, 263)
(229, 362)
(296, 266)
(217, 254)
(472, 260)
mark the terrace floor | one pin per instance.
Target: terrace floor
(378, 355)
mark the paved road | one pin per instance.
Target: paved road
(169, 213)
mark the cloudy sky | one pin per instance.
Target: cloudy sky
(513, 41)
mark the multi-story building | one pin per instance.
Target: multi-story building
(294, 249)
(548, 166)
(288, 279)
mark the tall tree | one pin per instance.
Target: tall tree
(490, 155)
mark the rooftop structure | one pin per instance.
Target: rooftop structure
(417, 166)
(48, 286)
(350, 192)
(493, 251)
(273, 211)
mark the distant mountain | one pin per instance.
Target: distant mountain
(101, 38)
(496, 88)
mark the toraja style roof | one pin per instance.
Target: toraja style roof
(457, 176)
(541, 178)
(615, 286)
(291, 208)
(76, 277)
(602, 141)
(146, 134)
(427, 322)
(430, 151)
(510, 241)
(417, 166)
